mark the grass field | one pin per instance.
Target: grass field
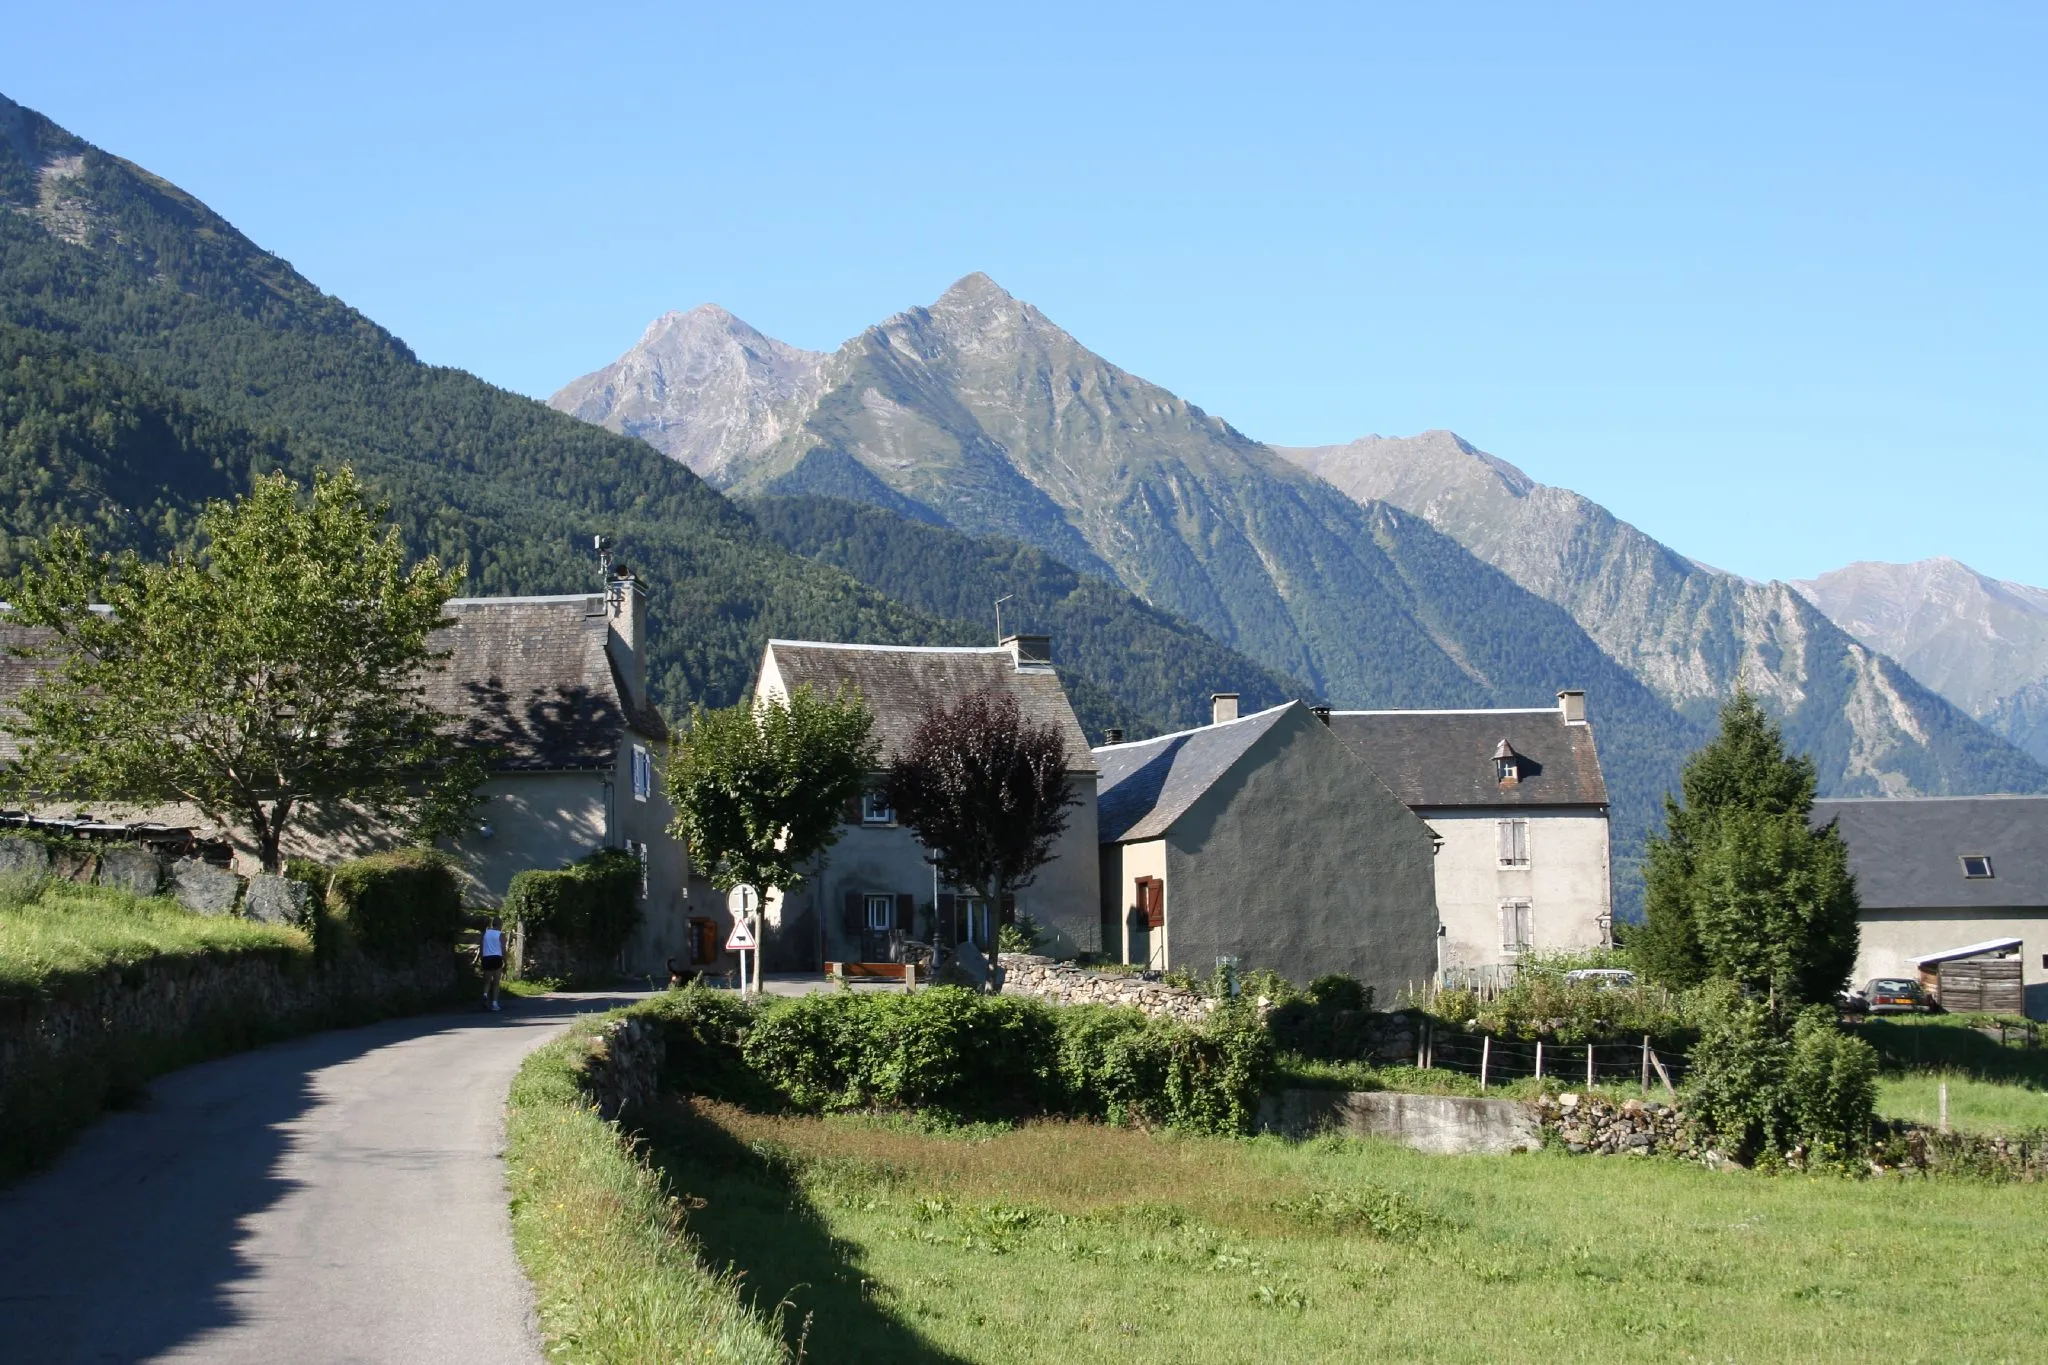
(1073, 1242)
(53, 929)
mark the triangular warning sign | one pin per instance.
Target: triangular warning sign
(742, 936)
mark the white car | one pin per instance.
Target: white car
(1602, 978)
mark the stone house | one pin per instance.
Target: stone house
(1519, 805)
(1937, 875)
(556, 687)
(1266, 840)
(873, 892)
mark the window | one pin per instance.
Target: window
(974, 921)
(881, 911)
(639, 850)
(1977, 866)
(1514, 926)
(1514, 843)
(876, 810)
(643, 773)
(703, 941)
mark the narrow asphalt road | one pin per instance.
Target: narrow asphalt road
(339, 1197)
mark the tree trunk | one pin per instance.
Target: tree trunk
(994, 950)
(269, 830)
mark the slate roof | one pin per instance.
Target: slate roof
(1445, 758)
(530, 676)
(900, 682)
(1150, 783)
(1907, 851)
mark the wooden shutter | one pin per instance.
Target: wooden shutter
(1506, 831)
(947, 930)
(1521, 829)
(856, 912)
(1152, 900)
(906, 914)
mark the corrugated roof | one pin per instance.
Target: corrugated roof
(901, 683)
(1150, 783)
(530, 676)
(1907, 851)
(1445, 758)
(1989, 945)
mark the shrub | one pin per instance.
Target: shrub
(1830, 1086)
(392, 904)
(1759, 1088)
(593, 906)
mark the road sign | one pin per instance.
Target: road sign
(742, 935)
(742, 900)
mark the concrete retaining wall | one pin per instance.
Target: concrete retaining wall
(1448, 1125)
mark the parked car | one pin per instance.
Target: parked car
(1602, 978)
(1894, 995)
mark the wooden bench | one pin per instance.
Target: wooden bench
(906, 972)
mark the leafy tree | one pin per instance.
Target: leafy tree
(1763, 1085)
(760, 790)
(278, 665)
(986, 791)
(1740, 886)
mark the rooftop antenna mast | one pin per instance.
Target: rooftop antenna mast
(1006, 597)
(603, 546)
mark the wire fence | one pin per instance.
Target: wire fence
(1497, 1061)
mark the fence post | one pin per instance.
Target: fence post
(1589, 1066)
(1646, 1061)
(1539, 1059)
(1944, 1106)
(1662, 1074)
(1485, 1057)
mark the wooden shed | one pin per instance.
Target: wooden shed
(1986, 977)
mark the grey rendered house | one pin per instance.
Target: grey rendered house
(1945, 880)
(873, 892)
(1519, 803)
(1266, 840)
(556, 689)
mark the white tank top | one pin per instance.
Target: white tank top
(494, 943)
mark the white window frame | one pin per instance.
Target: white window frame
(876, 810)
(974, 911)
(879, 913)
(1988, 874)
(643, 773)
(1514, 834)
(1517, 925)
(638, 848)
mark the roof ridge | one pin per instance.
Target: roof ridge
(896, 649)
(1198, 729)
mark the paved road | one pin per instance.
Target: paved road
(335, 1198)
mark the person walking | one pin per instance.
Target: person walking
(490, 959)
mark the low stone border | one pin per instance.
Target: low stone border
(201, 887)
(1063, 983)
(1590, 1125)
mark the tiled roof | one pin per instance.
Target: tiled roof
(1150, 783)
(900, 683)
(1907, 851)
(1445, 758)
(531, 676)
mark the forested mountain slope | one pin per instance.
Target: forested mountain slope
(1979, 641)
(1688, 631)
(110, 261)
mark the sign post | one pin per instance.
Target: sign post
(744, 901)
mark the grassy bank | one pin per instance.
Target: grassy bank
(616, 1275)
(1081, 1242)
(55, 932)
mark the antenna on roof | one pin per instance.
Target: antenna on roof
(603, 546)
(1006, 597)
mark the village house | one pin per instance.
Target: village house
(556, 689)
(1264, 841)
(1954, 892)
(1517, 800)
(874, 892)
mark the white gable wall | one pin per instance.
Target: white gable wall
(1565, 882)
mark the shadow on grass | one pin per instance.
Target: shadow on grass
(754, 1219)
(1928, 1045)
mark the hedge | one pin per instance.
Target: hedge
(392, 903)
(593, 905)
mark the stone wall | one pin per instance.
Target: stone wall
(1063, 983)
(201, 887)
(1591, 1125)
(623, 1070)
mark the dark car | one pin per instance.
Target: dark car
(1894, 995)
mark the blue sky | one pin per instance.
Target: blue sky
(1767, 281)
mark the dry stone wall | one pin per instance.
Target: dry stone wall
(199, 886)
(1063, 983)
(1593, 1125)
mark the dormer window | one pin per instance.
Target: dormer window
(1507, 765)
(1977, 866)
(876, 810)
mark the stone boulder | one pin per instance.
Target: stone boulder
(278, 900)
(203, 888)
(28, 857)
(73, 864)
(127, 867)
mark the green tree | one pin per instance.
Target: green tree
(761, 789)
(279, 665)
(1740, 886)
(986, 792)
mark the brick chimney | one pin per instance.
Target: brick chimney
(625, 609)
(1571, 704)
(1222, 707)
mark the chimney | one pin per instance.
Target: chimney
(1030, 651)
(1222, 707)
(1321, 713)
(1571, 704)
(625, 609)
(1113, 735)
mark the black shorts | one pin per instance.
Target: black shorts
(493, 963)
